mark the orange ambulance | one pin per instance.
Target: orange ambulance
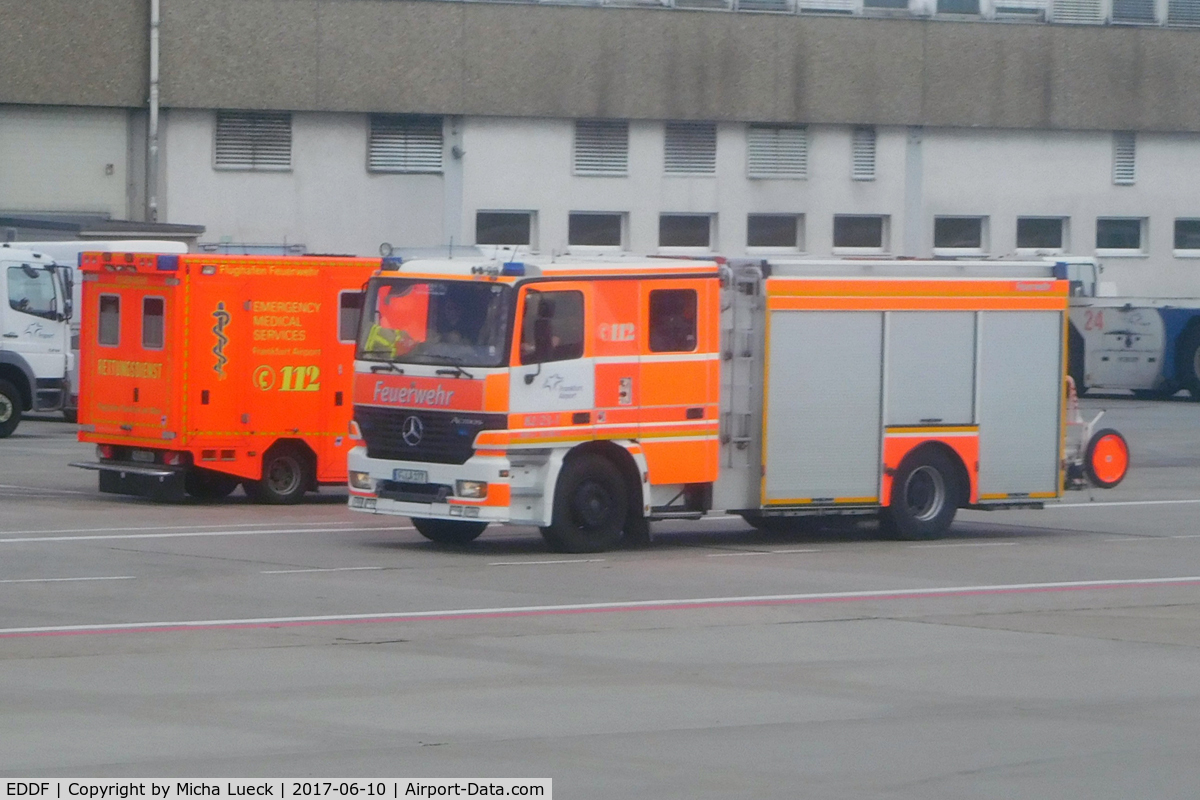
(200, 372)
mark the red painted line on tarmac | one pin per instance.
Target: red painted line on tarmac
(591, 608)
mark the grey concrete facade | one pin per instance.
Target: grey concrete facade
(520, 60)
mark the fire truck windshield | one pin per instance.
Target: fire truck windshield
(410, 321)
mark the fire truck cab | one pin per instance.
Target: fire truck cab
(590, 398)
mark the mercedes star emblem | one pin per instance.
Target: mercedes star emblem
(411, 431)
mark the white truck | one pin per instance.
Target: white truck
(35, 335)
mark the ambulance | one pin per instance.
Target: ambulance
(589, 398)
(200, 373)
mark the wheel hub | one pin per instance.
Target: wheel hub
(592, 506)
(925, 493)
(283, 476)
(6, 409)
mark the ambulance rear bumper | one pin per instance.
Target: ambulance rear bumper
(157, 482)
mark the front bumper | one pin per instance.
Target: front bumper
(434, 498)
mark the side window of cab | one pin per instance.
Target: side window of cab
(552, 326)
(672, 320)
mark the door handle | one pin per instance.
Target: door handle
(10, 336)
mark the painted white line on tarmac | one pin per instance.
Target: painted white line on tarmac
(1102, 503)
(689, 604)
(41, 489)
(555, 561)
(64, 580)
(967, 544)
(179, 527)
(316, 569)
(7, 540)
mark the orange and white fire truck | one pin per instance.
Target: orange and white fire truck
(589, 398)
(202, 372)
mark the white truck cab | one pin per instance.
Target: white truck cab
(35, 335)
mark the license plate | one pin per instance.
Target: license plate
(362, 502)
(410, 475)
(142, 455)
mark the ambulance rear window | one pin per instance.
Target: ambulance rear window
(110, 320)
(152, 323)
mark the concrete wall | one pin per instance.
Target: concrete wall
(524, 60)
(64, 160)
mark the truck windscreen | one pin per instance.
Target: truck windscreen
(34, 290)
(410, 321)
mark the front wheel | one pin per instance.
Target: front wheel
(448, 531)
(286, 476)
(590, 506)
(1107, 458)
(10, 408)
(925, 496)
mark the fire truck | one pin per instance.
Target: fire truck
(202, 372)
(591, 398)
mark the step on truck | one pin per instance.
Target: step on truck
(35, 335)
(592, 398)
(202, 372)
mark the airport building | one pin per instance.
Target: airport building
(734, 127)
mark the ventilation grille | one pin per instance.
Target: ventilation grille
(1183, 12)
(691, 148)
(863, 148)
(254, 140)
(1026, 9)
(1133, 11)
(1124, 158)
(778, 6)
(715, 5)
(401, 143)
(1081, 11)
(830, 6)
(776, 152)
(601, 147)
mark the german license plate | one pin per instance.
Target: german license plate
(410, 476)
(143, 455)
(362, 502)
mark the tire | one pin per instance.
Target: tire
(1153, 394)
(206, 484)
(637, 531)
(10, 409)
(1187, 362)
(286, 475)
(590, 506)
(1106, 460)
(925, 497)
(447, 531)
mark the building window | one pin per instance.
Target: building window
(1139, 12)
(1023, 9)
(1120, 236)
(686, 232)
(1183, 12)
(887, 5)
(775, 232)
(958, 235)
(405, 143)
(777, 152)
(601, 147)
(958, 7)
(1124, 158)
(253, 140)
(350, 305)
(1042, 234)
(672, 320)
(1187, 237)
(504, 227)
(152, 323)
(109, 332)
(691, 148)
(860, 234)
(863, 154)
(590, 230)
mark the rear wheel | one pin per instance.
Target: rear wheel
(1107, 458)
(925, 497)
(10, 408)
(286, 475)
(447, 531)
(590, 506)
(205, 484)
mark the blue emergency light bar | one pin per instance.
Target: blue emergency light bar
(513, 268)
(167, 263)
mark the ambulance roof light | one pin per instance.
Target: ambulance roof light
(167, 263)
(513, 268)
(392, 262)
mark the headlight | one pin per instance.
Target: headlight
(472, 489)
(361, 480)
